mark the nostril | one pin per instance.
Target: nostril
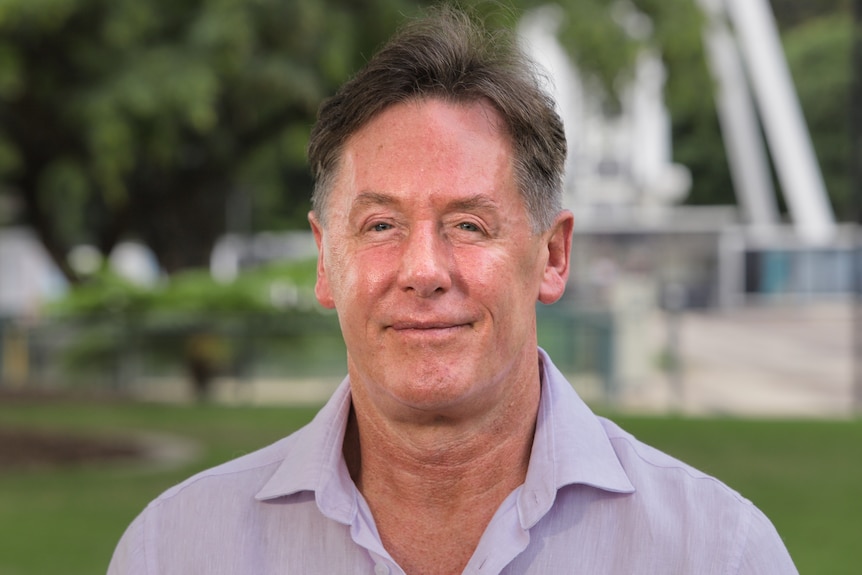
(424, 266)
(425, 276)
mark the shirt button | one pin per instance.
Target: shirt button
(381, 569)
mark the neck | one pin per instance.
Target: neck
(420, 479)
(456, 462)
(449, 453)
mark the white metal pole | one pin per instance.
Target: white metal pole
(783, 121)
(743, 142)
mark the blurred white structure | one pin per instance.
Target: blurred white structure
(135, 262)
(619, 166)
(28, 276)
(639, 253)
(752, 24)
(746, 152)
(234, 252)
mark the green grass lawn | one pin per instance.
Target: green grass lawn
(806, 475)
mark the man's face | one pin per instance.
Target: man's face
(430, 259)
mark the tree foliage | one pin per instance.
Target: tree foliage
(189, 318)
(167, 120)
(174, 121)
(792, 13)
(819, 55)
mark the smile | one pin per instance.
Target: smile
(427, 326)
(429, 330)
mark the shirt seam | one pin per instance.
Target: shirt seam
(741, 538)
(679, 466)
(212, 474)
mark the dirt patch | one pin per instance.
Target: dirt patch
(26, 448)
(41, 448)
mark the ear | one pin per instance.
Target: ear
(321, 286)
(559, 244)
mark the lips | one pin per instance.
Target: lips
(428, 325)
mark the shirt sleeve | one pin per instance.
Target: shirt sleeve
(130, 554)
(765, 552)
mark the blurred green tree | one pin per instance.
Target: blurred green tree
(191, 319)
(792, 13)
(819, 54)
(173, 121)
(689, 95)
(170, 121)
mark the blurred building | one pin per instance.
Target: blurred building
(638, 252)
(627, 193)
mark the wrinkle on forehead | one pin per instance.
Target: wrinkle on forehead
(434, 136)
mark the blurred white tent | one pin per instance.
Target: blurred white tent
(28, 276)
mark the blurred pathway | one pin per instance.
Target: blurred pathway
(765, 361)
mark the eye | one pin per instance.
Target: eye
(469, 227)
(381, 227)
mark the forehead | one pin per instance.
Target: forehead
(478, 116)
(429, 144)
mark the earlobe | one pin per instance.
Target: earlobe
(559, 246)
(321, 286)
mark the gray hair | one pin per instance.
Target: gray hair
(448, 55)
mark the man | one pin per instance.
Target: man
(454, 445)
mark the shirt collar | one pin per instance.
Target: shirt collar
(570, 446)
(313, 461)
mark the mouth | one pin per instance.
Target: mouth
(429, 328)
(430, 335)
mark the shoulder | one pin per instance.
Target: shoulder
(675, 485)
(245, 473)
(673, 518)
(698, 508)
(197, 517)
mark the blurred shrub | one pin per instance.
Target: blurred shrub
(208, 327)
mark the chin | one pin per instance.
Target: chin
(434, 391)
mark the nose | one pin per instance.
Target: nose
(425, 262)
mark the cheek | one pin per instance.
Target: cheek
(491, 286)
(358, 278)
(504, 281)
(497, 270)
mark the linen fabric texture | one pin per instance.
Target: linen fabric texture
(595, 501)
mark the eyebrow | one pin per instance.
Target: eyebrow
(471, 203)
(369, 199)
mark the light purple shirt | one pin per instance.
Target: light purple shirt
(595, 500)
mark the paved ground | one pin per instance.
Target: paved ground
(781, 361)
(766, 361)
